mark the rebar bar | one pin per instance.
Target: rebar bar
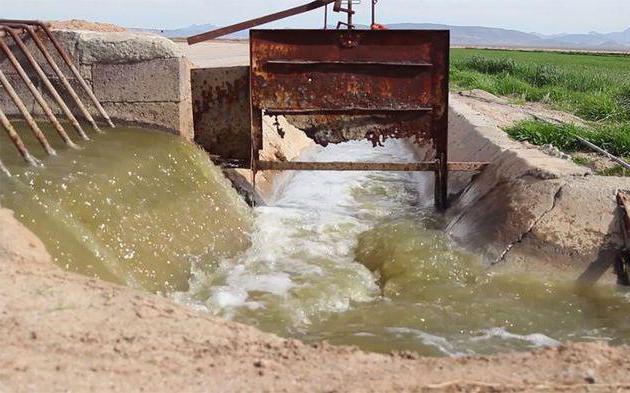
(15, 138)
(38, 97)
(76, 73)
(27, 116)
(62, 77)
(66, 58)
(51, 89)
(600, 150)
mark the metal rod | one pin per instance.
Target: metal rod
(77, 74)
(69, 62)
(373, 11)
(15, 138)
(618, 160)
(257, 22)
(350, 13)
(51, 89)
(622, 263)
(27, 116)
(344, 111)
(38, 97)
(427, 166)
(356, 63)
(326, 17)
(62, 77)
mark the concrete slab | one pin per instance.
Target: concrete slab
(147, 81)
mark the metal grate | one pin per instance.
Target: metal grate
(18, 31)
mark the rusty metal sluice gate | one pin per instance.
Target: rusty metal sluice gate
(18, 31)
(375, 84)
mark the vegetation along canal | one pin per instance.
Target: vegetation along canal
(351, 258)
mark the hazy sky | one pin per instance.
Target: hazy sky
(543, 16)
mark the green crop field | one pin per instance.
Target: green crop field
(595, 87)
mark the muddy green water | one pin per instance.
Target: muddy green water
(130, 206)
(351, 258)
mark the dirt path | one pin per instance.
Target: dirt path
(65, 332)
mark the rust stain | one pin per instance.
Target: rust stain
(338, 85)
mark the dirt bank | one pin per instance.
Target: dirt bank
(64, 332)
(78, 24)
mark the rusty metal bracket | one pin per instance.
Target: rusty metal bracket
(622, 264)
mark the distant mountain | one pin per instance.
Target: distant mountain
(478, 35)
(473, 36)
(191, 30)
(490, 36)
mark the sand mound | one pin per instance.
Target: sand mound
(77, 24)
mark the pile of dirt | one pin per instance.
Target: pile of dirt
(64, 332)
(77, 24)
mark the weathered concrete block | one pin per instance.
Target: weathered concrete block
(167, 116)
(122, 48)
(147, 81)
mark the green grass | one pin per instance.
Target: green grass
(594, 87)
(614, 139)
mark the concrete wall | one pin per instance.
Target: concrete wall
(528, 207)
(139, 79)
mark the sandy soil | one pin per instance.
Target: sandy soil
(65, 332)
(217, 53)
(77, 24)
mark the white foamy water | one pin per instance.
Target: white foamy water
(301, 263)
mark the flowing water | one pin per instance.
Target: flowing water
(359, 258)
(131, 206)
(351, 258)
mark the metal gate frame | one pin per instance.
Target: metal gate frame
(398, 78)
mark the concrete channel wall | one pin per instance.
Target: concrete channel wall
(528, 207)
(139, 79)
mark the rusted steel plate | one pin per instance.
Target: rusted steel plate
(221, 110)
(353, 72)
(363, 83)
(369, 166)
